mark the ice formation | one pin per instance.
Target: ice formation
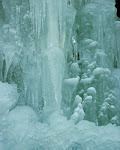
(59, 75)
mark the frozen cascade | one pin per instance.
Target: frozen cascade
(52, 75)
(59, 75)
(43, 13)
(52, 53)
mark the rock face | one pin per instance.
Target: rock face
(117, 5)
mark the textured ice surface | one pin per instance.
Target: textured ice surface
(22, 130)
(52, 75)
(75, 70)
(70, 87)
(25, 132)
(39, 34)
(8, 97)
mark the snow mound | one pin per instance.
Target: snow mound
(59, 134)
(91, 91)
(8, 97)
(22, 114)
(99, 71)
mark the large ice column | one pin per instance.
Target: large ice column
(53, 58)
(52, 75)
(56, 22)
(49, 24)
(49, 21)
(53, 34)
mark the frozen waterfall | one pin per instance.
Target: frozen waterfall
(50, 29)
(59, 75)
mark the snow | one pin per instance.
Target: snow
(99, 71)
(93, 44)
(8, 97)
(78, 100)
(72, 82)
(88, 41)
(78, 114)
(75, 68)
(116, 73)
(87, 80)
(25, 132)
(22, 114)
(88, 99)
(91, 66)
(91, 91)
